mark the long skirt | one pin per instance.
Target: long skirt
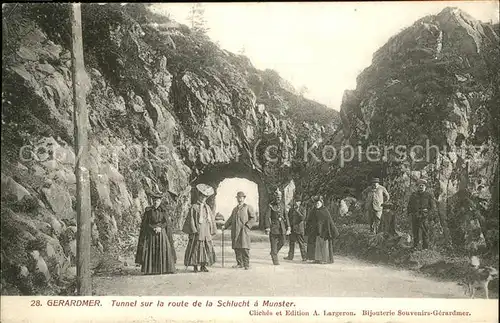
(330, 249)
(322, 250)
(158, 255)
(199, 252)
(311, 246)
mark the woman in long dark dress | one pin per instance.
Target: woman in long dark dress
(311, 231)
(323, 231)
(155, 250)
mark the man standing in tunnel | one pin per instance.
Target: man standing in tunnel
(277, 225)
(241, 220)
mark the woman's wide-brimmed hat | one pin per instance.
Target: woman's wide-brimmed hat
(205, 189)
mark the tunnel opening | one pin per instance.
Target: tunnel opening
(215, 175)
(225, 200)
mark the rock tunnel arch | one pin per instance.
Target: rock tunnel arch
(213, 175)
(225, 200)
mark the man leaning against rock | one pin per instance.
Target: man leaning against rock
(375, 196)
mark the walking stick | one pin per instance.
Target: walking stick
(223, 247)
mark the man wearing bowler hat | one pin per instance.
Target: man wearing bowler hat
(375, 195)
(421, 207)
(241, 220)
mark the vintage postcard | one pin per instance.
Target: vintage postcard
(260, 161)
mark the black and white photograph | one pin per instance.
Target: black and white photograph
(261, 149)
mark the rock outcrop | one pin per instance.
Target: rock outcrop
(435, 85)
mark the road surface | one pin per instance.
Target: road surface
(345, 278)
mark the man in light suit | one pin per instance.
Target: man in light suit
(241, 220)
(375, 196)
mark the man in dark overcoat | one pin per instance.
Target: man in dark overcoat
(297, 216)
(421, 209)
(241, 220)
(276, 225)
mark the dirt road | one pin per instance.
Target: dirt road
(345, 278)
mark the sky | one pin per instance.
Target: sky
(225, 199)
(320, 45)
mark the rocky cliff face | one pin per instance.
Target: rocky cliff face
(435, 85)
(167, 109)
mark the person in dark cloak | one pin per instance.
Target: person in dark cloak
(200, 226)
(324, 230)
(155, 248)
(309, 230)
